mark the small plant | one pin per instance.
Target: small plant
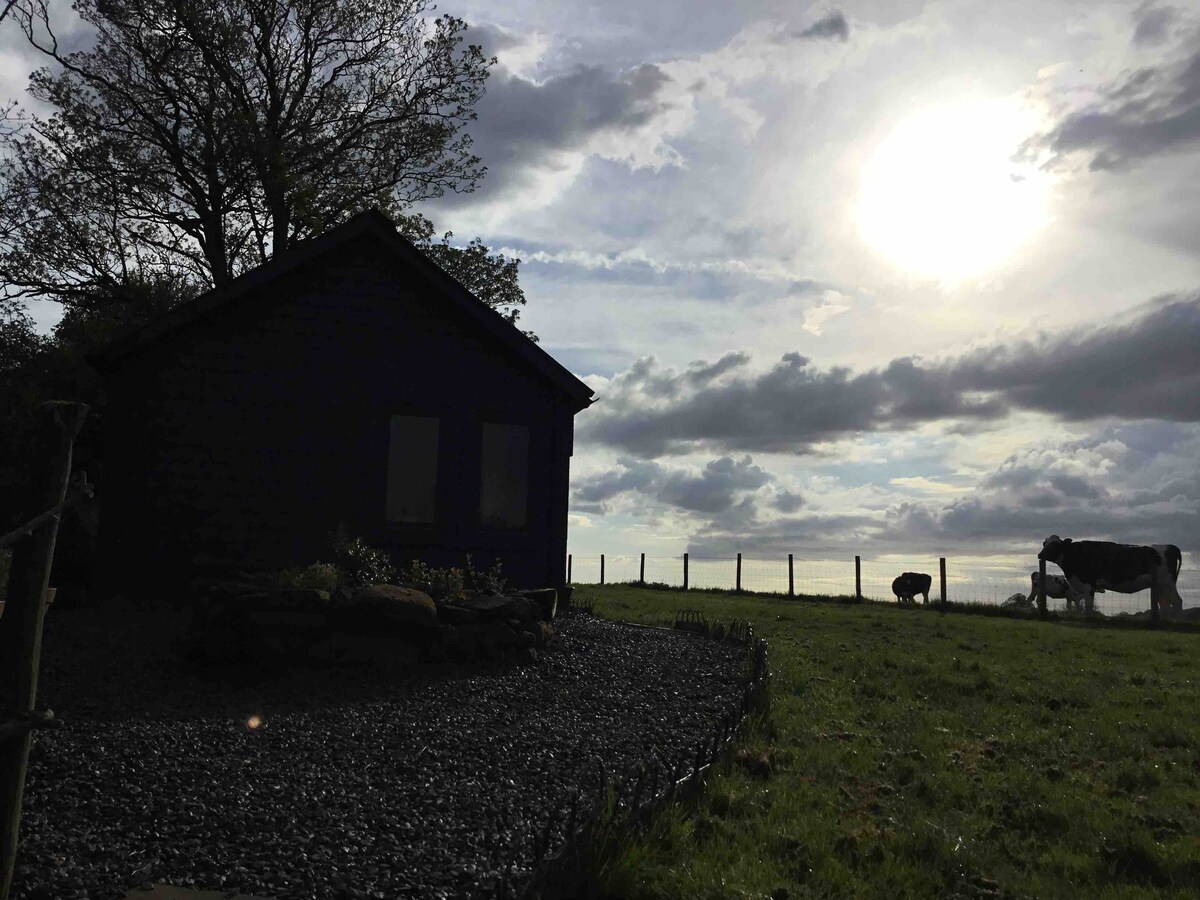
(490, 581)
(444, 584)
(318, 576)
(359, 563)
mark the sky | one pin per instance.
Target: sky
(868, 278)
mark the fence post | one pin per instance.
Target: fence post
(739, 574)
(21, 625)
(601, 568)
(791, 579)
(942, 570)
(642, 571)
(1041, 591)
(858, 579)
(569, 568)
(685, 571)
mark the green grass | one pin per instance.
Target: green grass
(926, 755)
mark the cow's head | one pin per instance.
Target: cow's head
(1052, 549)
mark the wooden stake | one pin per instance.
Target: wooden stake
(942, 570)
(858, 579)
(739, 574)
(21, 624)
(791, 578)
(685, 571)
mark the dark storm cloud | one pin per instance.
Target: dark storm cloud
(1006, 524)
(1153, 24)
(521, 122)
(1132, 483)
(833, 25)
(1150, 112)
(713, 491)
(814, 535)
(787, 502)
(1144, 369)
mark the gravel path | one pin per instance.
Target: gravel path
(357, 784)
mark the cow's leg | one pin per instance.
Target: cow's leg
(1089, 599)
(924, 598)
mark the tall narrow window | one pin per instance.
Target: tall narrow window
(503, 495)
(412, 469)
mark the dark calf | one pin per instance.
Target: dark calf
(909, 584)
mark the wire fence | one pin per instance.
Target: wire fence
(968, 580)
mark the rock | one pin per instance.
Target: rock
(498, 607)
(423, 587)
(547, 600)
(394, 610)
(285, 620)
(456, 614)
(299, 599)
(527, 656)
(251, 600)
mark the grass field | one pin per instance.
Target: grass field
(918, 754)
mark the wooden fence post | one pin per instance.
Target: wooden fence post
(738, 583)
(942, 570)
(1041, 591)
(642, 571)
(21, 625)
(601, 568)
(858, 579)
(791, 579)
(568, 568)
(685, 571)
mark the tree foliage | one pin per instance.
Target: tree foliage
(195, 139)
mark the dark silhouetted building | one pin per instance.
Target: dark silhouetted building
(348, 381)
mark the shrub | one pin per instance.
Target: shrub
(320, 576)
(444, 584)
(487, 581)
(360, 563)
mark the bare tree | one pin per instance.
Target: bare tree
(195, 139)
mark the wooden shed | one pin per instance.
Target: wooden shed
(351, 381)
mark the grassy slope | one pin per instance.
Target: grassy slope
(926, 755)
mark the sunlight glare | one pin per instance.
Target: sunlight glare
(942, 197)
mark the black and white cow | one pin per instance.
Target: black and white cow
(909, 584)
(1057, 587)
(1093, 566)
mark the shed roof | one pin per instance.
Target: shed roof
(370, 223)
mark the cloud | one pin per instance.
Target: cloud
(1147, 113)
(1133, 483)
(1145, 368)
(1153, 24)
(787, 501)
(532, 133)
(833, 25)
(832, 304)
(714, 490)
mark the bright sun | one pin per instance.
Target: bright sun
(942, 197)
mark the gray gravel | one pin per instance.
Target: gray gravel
(358, 784)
